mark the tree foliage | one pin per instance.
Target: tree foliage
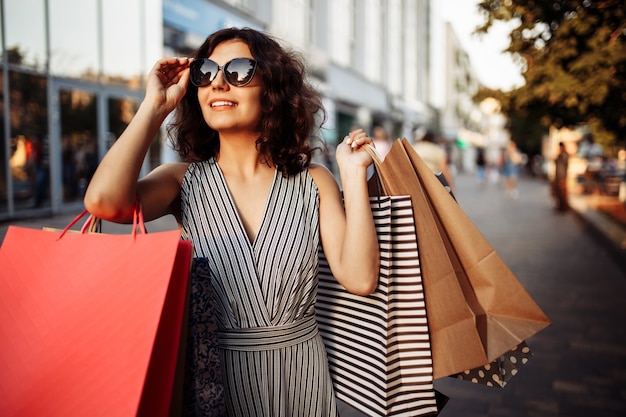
(527, 127)
(573, 58)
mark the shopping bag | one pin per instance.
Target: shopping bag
(499, 372)
(378, 346)
(90, 324)
(203, 384)
(477, 309)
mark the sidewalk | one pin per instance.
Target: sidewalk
(605, 217)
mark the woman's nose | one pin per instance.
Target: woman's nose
(220, 80)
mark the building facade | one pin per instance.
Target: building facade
(73, 73)
(71, 78)
(460, 86)
(464, 122)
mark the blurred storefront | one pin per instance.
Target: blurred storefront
(71, 80)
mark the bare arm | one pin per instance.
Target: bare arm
(348, 235)
(114, 187)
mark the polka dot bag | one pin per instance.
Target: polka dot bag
(499, 372)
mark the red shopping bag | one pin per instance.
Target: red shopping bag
(90, 324)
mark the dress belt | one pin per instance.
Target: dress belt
(267, 338)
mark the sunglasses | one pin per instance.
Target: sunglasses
(237, 72)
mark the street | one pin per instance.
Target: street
(579, 363)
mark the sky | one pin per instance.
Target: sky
(493, 68)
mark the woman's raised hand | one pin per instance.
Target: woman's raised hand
(351, 152)
(167, 83)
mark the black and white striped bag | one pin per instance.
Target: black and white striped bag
(378, 346)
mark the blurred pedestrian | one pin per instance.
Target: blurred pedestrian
(481, 165)
(511, 160)
(559, 183)
(434, 155)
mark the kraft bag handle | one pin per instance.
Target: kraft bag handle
(378, 161)
(371, 150)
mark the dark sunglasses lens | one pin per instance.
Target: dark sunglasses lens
(203, 72)
(240, 71)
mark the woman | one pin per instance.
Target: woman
(255, 208)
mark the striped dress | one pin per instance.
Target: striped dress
(273, 358)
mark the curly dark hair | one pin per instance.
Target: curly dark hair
(291, 108)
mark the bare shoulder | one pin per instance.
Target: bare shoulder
(169, 172)
(324, 179)
(163, 182)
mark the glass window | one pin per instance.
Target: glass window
(74, 38)
(121, 44)
(121, 110)
(25, 33)
(29, 156)
(79, 141)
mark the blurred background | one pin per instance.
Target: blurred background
(476, 73)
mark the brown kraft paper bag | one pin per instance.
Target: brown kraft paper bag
(477, 309)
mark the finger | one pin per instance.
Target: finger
(351, 140)
(184, 78)
(171, 67)
(360, 140)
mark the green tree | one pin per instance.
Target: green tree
(572, 55)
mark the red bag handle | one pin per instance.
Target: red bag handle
(138, 221)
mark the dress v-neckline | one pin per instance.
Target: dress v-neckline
(235, 210)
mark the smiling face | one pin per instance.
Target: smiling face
(228, 109)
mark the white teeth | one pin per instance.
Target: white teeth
(223, 103)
